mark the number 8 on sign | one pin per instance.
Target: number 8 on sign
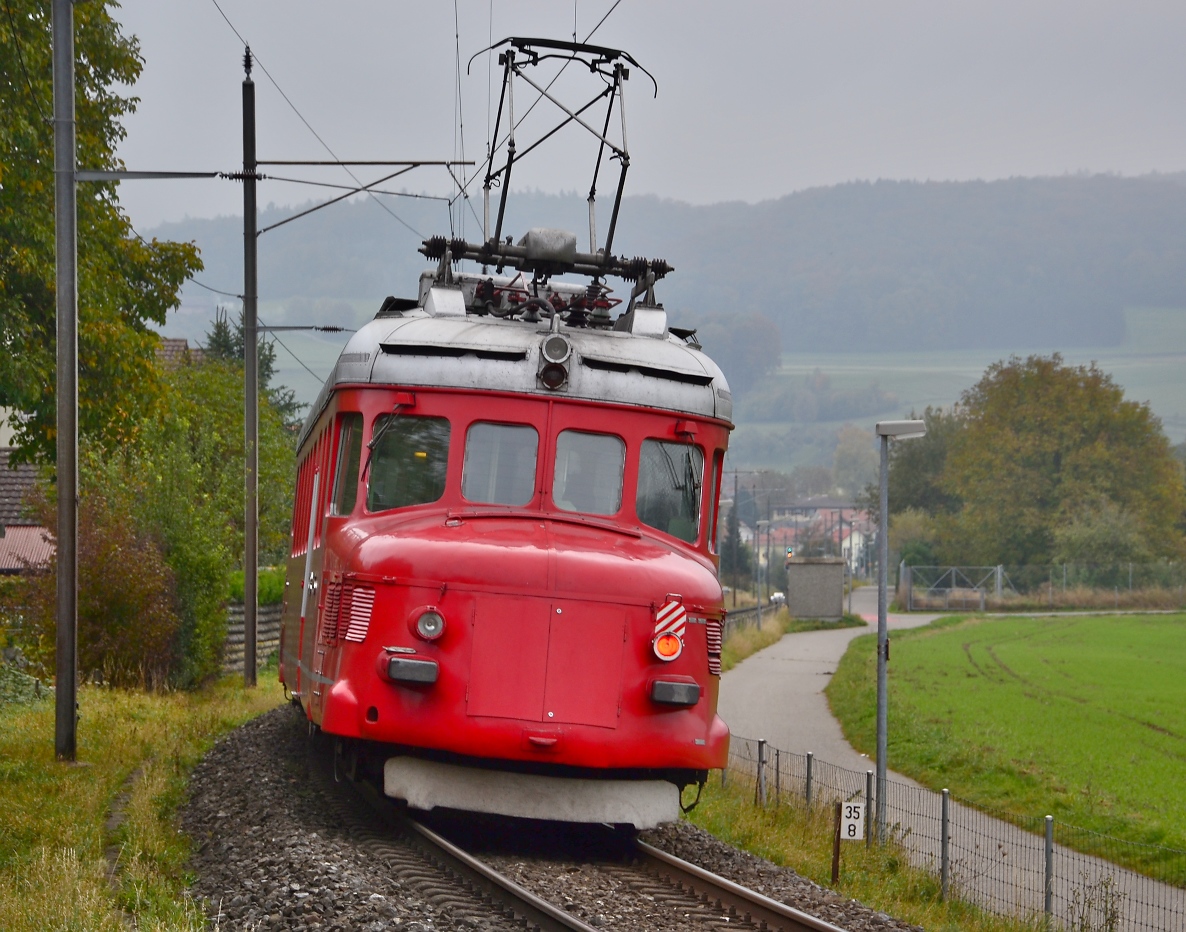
(852, 821)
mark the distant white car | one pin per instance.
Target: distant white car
(778, 598)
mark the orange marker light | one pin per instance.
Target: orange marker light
(668, 646)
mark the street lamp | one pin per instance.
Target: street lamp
(898, 430)
(763, 524)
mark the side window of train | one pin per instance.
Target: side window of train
(499, 463)
(349, 454)
(670, 477)
(409, 459)
(588, 474)
(714, 531)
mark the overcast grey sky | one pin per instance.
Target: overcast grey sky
(757, 98)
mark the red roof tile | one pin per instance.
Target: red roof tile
(24, 546)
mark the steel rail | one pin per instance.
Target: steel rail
(755, 907)
(537, 912)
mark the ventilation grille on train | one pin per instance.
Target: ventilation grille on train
(713, 632)
(672, 375)
(347, 614)
(355, 616)
(452, 352)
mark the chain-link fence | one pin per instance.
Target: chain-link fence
(1098, 586)
(1026, 868)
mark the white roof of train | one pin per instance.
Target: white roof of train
(444, 343)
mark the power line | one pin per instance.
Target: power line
(191, 278)
(215, 290)
(320, 378)
(263, 326)
(16, 41)
(309, 127)
(345, 187)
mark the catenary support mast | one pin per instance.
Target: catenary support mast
(66, 261)
(250, 379)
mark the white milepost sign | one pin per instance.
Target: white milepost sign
(852, 821)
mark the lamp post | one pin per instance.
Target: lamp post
(898, 430)
(763, 525)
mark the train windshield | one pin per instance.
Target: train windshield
(500, 464)
(588, 475)
(670, 476)
(409, 459)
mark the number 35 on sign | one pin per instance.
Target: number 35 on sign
(852, 821)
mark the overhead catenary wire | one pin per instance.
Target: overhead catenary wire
(301, 362)
(228, 294)
(326, 328)
(309, 126)
(356, 190)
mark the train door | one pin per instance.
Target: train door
(298, 576)
(342, 492)
(317, 463)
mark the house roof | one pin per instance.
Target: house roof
(15, 484)
(24, 546)
(176, 351)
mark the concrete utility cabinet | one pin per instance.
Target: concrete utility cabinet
(815, 587)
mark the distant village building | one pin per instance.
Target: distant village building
(176, 351)
(24, 544)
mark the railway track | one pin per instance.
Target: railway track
(278, 844)
(694, 898)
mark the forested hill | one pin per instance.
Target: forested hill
(1023, 263)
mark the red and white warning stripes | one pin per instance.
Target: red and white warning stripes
(671, 618)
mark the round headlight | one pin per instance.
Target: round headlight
(556, 348)
(668, 646)
(430, 625)
(553, 375)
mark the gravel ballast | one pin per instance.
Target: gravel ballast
(278, 846)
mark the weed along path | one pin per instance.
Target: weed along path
(778, 694)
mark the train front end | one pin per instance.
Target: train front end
(505, 532)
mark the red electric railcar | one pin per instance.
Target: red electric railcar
(503, 582)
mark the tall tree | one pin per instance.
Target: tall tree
(225, 342)
(124, 283)
(1041, 446)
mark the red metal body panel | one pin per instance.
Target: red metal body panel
(546, 654)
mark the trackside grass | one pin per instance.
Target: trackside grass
(881, 877)
(53, 873)
(1081, 718)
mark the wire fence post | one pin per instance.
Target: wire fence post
(1048, 905)
(836, 846)
(868, 808)
(777, 775)
(760, 788)
(945, 847)
(807, 794)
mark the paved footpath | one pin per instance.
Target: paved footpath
(777, 694)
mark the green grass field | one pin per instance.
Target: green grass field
(1080, 718)
(1147, 364)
